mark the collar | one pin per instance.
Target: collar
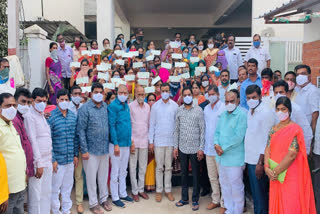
(162, 102)
(3, 123)
(34, 111)
(92, 104)
(258, 79)
(305, 88)
(184, 107)
(235, 112)
(136, 103)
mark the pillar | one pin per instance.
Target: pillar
(13, 27)
(105, 21)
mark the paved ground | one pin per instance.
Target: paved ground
(152, 207)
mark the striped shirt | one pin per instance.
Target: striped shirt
(63, 130)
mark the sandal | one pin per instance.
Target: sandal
(195, 206)
(182, 203)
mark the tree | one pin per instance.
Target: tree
(3, 29)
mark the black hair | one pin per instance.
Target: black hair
(59, 34)
(151, 94)
(284, 101)
(148, 44)
(303, 66)
(120, 34)
(132, 35)
(52, 44)
(231, 35)
(109, 95)
(3, 60)
(165, 84)
(281, 83)
(39, 92)
(253, 60)
(4, 96)
(290, 72)
(177, 34)
(105, 57)
(63, 92)
(225, 70)
(92, 41)
(74, 88)
(187, 88)
(96, 85)
(194, 48)
(105, 40)
(156, 57)
(236, 92)
(118, 39)
(81, 42)
(253, 88)
(22, 92)
(192, 35)
(267, 71)
(277, 71)
(89, 72)
(115, 72)
(257, 35)
(242, 66)
(214, 88)
(114, 47)
(85, 60)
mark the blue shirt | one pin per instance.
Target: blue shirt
(244, 85)
(120, 123)
(229, 134)
(65, 57)
(65, 146)
(93, 128)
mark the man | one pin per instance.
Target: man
(252, 66)
(267, 89)
(277, 76)
(307, 95)
(178, 38)
(139, 41)
(260, 120)
(225, 82)
(242, 75)
(297, 115)
(4, 187)
(120, 135)
(6, 82)
(290, 78)
(189, 145)
(140, 115)
(39, 134)
(161, 129)
(74, 106)
(76, 47)
(212, 113)
(259, 53)
(23, 99)
(234, 58)
(229, 145)
(192, 42)
(93, 131)
(15, 159)
(65, 55)
(64, 152)
(118, 41)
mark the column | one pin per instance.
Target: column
(13, 27)
(105, 21)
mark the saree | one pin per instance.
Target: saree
(150, 177)
(295, 194)
(55, 79)
(210, 57)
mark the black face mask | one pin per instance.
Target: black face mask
(156, 65)
(140, 38)
(217, 44)
(140, 56)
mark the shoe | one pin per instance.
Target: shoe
(96, 210)
(170, 196)
(205, 192)
(222, 210)
(119, 203)
(143, 195)
(181, 203)
(127, 199)
(80, 209)
(195, 206)
(135, 198)
(212, 205)
(158, 197)
(106, 206)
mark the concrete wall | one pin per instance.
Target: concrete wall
(312, 31)
(56, 10)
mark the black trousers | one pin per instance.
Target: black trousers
(66, 83)
(233, 81)
(195, 165)
(204, 178)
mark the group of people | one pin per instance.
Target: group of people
(196, 107)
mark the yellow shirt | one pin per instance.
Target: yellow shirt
(13, 153)
(4, 188)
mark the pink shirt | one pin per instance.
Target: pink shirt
(140, 124)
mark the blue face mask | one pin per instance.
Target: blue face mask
(217, 74)
(182, 47)
(143, 70)
(133, 40)
(256, 44)
(122, 40)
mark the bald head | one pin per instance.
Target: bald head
(140, 90)
(140, 95)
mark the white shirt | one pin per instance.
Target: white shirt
(162, 123)
(258, 127)
(316, 148)
(211, 116)
(222, 92)
(72, 107)
(308, 100)
(234, 59)
(261, 55)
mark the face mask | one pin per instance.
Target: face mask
(116, 76)
(217, 44)
(76, 100)
(122, 98)
(151, 67)
(165, 95)
(302, 79)
(253, 103)
(225, 83)
(140, 100)
(64, 105)
(213, 98)
(77, 44)
(54, 55)
(210, 46)
(282, 116)
(256, 44)
(205, 83)
(140, 56)
(291, 85)
(40, 107)
(106, 47)
(23, 109)
(192, 42)
(194, 55)
(4, 74)
(185, 55)
(133, 40)
(187, 100)
(140, 38)
(122, 40)
(200, 48)
(143, 70)
(97, 97)
(9, 113)
(278, 96)
(185, 70)
(231, 107)
(182, 47)
(217, 74)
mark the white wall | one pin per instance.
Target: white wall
(56, 10)
(312, 31)
(283, 31)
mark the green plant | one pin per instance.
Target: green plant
(3, 28)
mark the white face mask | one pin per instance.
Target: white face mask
(231, 107)
(76, 100)
(187, 100)
(200, 48)
(64, 105)
(210, 46)
(140, 100)
(40, 107)
(302, 79)
(23, 109)
(9, 113)
(282, 116)
(253, 103)
(205, 83)
(213, 98)
(278, 96)
(97, 97)
(165, 95)
(122, 98)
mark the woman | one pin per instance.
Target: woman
(198, 98)
(150, 178)
(84, 47)
(204, 82)
(150, 46)
(95, 58)
(210, 54)
(110, 97)
(286, 149)
(107, 50)
(193, 65)
(84, 68)
(200, 48)
(222, 59)
(185, 55)
(53, 73)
